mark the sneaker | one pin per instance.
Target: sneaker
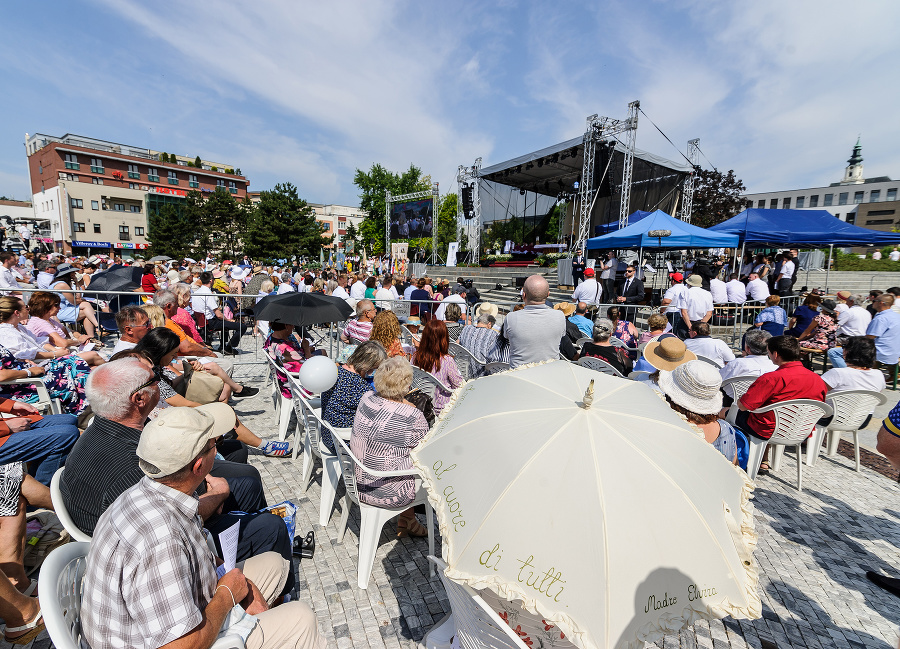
(246, 391)
(275, 449)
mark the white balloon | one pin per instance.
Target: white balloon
(318, 374)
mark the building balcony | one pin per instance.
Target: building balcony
(173, 181)
(97, 170)
(73, 165)
(194, 184)
(134, 175)
(233, 190)
(153, 179)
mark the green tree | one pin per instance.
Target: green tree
(197, 162)
(717, 197)
(223, 222)
(171, 232)
(446, 225)
(373, 186)
(283, 226)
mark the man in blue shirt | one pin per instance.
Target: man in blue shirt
(579, 319)
(885, 330)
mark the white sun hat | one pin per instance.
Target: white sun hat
(695, 386)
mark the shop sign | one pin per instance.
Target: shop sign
(92, 244)
(168, 191)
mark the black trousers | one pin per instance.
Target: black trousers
(577, 275)
(236, 328)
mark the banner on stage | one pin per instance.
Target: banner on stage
(452, 249)
(412, 220)
(399, 258)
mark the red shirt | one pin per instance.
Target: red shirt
(149, 283)
(790, 381)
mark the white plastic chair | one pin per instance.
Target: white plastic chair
(599, 365)
(851, 407)
(427, 383)
(475, 624)
(60, 588)
(60, 508)
(44, 401)
(794, 421)
(638, 375)
(739, 386)
(469, 366)
(706, 359)
(372, 518)
(496, 366)
(282, 403)
(581, 341)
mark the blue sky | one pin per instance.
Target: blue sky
(308, 92)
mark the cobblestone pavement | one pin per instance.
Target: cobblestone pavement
(814, 549)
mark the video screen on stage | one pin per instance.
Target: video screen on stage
(412, 220)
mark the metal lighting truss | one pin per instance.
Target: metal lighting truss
(389, 200)
(470, 227)
(687, 203)
(600, 129)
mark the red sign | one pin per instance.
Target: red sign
(133, 246)
(168, 191)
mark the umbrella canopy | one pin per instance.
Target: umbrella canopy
(160, 258)
(683, 235)
(302, 309)
(806, 228)
(124, 278)
(617, 522)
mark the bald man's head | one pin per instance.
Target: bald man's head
(537, 290)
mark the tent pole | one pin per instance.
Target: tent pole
(741, 260)
(828, 267)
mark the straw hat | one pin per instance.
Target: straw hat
(487, 308)
(566, 307)
(844, 295)
(667, 354)
(693, 385)
(695, 280)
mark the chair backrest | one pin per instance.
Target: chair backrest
(60, 508)
(794, 419)
(599, 365)
(706, 359)
(739, 384)
(468, 365)
(638, 375)
(496, 366)
(851, 407)
(348, 464)
(405, 335)
(615, 342)
(426, 382)
(307, 417)
(477, 625)
(580, 342)
(60, 587)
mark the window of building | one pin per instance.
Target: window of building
(786, 204)
(773, 204)
(97, 166)
(97, 181)
(851, 217)
(133, 172)
(220, 182)
(192, 181)
(326, 226)
(858, 197)
(761, 204)
(95, 205)
(135, 209)
(152, 175)
(232, 187)
(880, 222)
(138, 231)
(119, 207)
(892, 194)
(96, 228)
(79, 227)
(132, 186)
(173, 178)
(829, 200)
(801, 202)
(842, 198)
(881, 212)
(77, 203)
(123, 233)
(72, 161)
(814, 200)
(875, 196)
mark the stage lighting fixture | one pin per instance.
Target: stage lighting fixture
(546, 185)
(468, 202)
(540, 162)
(522, 192)
(529, 167)
(519, 169)
(573, 152)
(555, 158)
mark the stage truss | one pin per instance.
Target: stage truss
(389, 200)
(471, 228)
(687, 203)
(600, 129)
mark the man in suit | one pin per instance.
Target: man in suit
(632, 291)
(579, 263)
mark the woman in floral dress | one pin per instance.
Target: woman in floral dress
(819, 335)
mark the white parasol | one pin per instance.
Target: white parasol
(609, 516)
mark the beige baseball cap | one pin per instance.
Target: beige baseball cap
(178, 435)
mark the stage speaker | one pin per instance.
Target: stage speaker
(468, 202)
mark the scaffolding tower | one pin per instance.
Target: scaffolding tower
(470, 228)
(687, 203)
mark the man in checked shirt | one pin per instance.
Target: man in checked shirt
(151, 578)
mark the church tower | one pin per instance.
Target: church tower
(853, 175)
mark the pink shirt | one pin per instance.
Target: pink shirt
(43, 328)
(184, 320)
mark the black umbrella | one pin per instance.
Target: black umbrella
(124, 278)
(302, 309)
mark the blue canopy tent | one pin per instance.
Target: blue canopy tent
(612, 226)
(801, 229)
(684, 235)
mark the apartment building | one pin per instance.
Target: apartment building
(867, 202)
(97, 195)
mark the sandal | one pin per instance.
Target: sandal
(763, 468)
(409, 526)
(33, 628)
(275, 449)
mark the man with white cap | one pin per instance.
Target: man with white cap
(151, 579)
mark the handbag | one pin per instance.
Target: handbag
(424, 403)
(200, 387)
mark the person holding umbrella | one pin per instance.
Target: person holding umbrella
(68, 311)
